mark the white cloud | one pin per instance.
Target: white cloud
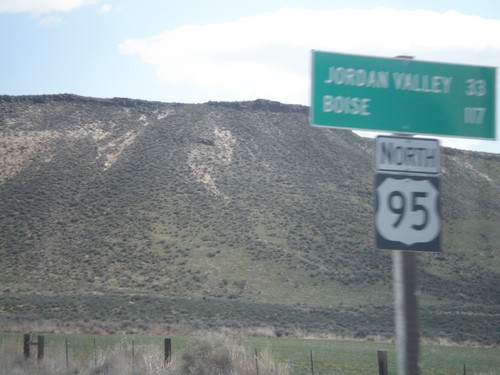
(106, 8)
(50, 20)
(268, 55)
(41, 6)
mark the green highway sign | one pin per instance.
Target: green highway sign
(400, 95)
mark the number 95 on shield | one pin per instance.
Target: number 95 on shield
(407, 212)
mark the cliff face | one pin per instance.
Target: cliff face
(241, 203)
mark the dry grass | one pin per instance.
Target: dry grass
(213, 354)
(14, 363)
(146, 361)
(220, 354)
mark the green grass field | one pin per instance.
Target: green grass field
(360, 357)
(328, 356)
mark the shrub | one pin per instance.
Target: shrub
(221, 355)
(211, 355)
(145, 361)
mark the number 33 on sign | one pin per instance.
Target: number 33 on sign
(407, 212)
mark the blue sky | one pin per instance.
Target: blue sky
(199, 50)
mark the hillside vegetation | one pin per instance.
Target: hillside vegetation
(223, 214)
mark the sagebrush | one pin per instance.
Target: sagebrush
(215, 354)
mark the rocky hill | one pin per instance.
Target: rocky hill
(132, 213)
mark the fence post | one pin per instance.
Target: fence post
(256, 362)
(312, 362)
(26, 345)
(40, 347)
(168, 349)
(133, 357)
(67, 356)
(382, 362)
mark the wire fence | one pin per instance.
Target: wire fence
(107, 354)
(82, 354)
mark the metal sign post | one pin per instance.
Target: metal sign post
(404, 268)
(407, 218)
(406, 97)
